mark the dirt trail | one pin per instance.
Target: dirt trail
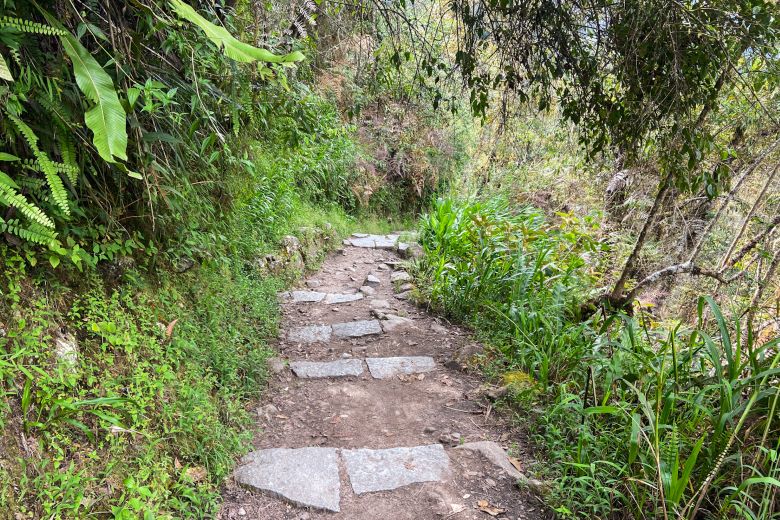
(392, 439)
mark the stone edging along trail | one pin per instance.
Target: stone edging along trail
(371, 414)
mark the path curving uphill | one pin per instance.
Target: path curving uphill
(371, 416)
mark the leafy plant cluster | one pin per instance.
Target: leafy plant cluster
(645, 420)
(134, 325)
(126, 127)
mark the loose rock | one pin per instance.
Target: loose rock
(372, 281)
(391, 322)
(495, 454)
(276, 365)
(400, 276)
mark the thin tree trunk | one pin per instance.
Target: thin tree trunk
(617, 291)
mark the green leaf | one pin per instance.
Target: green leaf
(7, 157)
(233, 48)
(107, 118)
(5, 72)
(8, 181)
(54, 260)
(132, 95)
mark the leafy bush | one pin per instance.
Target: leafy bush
(643, 419)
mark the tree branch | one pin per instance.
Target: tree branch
(673, 270)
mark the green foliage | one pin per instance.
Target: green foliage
(145, 404)
(107, 118)
(645, 421)
(233, 48)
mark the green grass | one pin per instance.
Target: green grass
(645, 420)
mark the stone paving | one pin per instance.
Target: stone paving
(319, 477)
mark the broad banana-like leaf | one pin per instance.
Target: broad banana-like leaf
(233, 48)
(5, 72)
(107, 118)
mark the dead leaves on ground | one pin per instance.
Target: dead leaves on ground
(487, 507)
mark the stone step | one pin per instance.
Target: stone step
(315, 369)
(357, 329)
(309, 477)
(379, 368)
(383, 368)
(316, 297)
(366, 241)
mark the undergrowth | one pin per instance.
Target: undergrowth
(646, 419)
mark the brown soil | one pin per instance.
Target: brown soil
(368, 413)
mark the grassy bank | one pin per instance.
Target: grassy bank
(644, 418)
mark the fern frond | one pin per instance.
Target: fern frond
(10, 197)
(30, 27)
(5, 72)
(31, 231)
(46, 165)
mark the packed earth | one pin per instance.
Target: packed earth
(373, 411)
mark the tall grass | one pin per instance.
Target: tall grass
(645, 420)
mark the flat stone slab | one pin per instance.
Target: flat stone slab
(383, 368)
(391, 322)
(372, 241)
(368, 290)
(494, 453)
(400, 276)
(315, 369)
(307, 477)
(356, 329)
(306, 296)
(387, 469)
(310, 334)
(334, 298)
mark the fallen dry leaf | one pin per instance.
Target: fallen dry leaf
(169, 328)
(486, 507)
(196, 474)
(516, 463)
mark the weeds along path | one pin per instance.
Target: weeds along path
(370, 415)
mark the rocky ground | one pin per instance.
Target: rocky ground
(372, 413)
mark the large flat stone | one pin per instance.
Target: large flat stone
(400, 276)
(373, 241)
(391, 322)
(335, 298)
(310, 334)
(383, 368)
(494, 453)
(340, 368)
(382, 470)
(356, 329)
(307, 477)
(306, 296)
